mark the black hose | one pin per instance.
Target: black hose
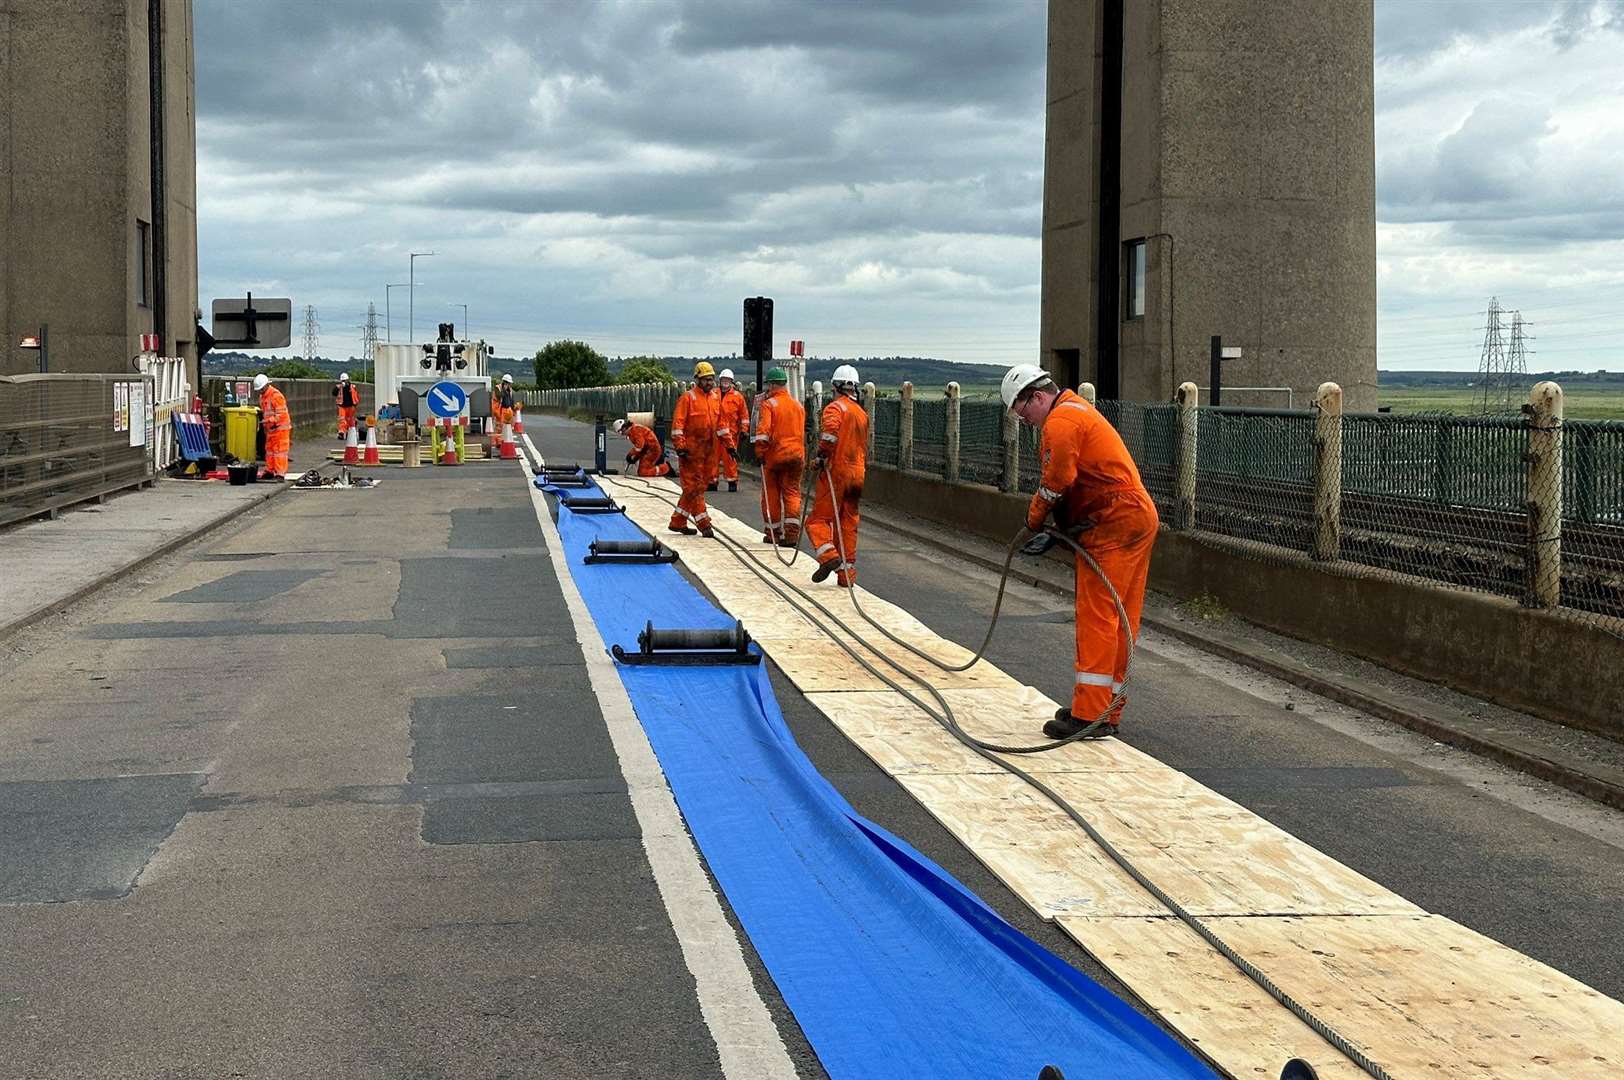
(994, 753)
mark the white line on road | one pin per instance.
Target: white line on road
(747, 1041)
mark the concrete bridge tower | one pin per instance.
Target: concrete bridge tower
(1210, 169)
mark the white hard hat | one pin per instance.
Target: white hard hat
(507, 378)
(619, 425)
(343, 376)
(727, 373)
(845, 373)
(261, 381)
(1018, 379)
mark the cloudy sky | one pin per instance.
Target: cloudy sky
(626, 171)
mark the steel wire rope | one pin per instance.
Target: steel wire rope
(991, 753)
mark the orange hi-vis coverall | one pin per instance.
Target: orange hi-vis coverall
(732, 427)
(1089, 480)
(646, 453)
(780, 442)
(349, 399)
(843, 443)
(273, 413)
(501, 406)
(693, 429)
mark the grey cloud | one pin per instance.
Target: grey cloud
(1407, 30)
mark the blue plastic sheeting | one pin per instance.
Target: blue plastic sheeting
(892, 968)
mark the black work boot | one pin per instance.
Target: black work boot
(733, 485)
(1298, 1069)
(711, 486)
(707, 532)
(826, 568)
(1064, 726)
(684, 530)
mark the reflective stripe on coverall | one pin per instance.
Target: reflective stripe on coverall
(693, 428)
(780, 442)
(843, 440)
(647, 452)
(273, 408)
(732, 426)
(1089, 480)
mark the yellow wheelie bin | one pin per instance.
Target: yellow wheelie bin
(242, 432)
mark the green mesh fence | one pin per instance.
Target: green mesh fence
(886, 426)
(930, 435)
(981, 441)
(1255, 475)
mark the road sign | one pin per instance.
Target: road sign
(253, 324)
(447, 400)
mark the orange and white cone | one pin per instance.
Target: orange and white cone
(352, 447)
(510, 449)
(371, 456)
(518, 418)
(450, 457)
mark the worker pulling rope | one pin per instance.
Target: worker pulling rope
(804, 603)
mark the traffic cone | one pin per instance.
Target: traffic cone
(371, 457)
(518, 418)
(510, 449)
(450, 457)
(352, 447)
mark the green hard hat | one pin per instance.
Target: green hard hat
(777, 374)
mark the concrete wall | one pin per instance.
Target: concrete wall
(1542, 662)
(75, 176)
(1248, 163)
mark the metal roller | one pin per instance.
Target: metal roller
(561, 470)
(690, 647)
(577, 481)
(629, 552)
(589, 502)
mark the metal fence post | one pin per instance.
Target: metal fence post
(1011, 432)
(1327, 472)
(905, 428)
(950, 437)
(1086, 392)
(1184, 464)
(1544, 411)
(868, 407)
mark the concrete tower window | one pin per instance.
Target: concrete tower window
(1133, 276)
(143, 264)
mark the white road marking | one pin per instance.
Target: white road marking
(747, 1040)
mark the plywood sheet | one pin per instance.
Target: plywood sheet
(817, 664)
(1421, 995)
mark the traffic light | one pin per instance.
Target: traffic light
(758, 332)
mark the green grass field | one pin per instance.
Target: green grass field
(1581, 403)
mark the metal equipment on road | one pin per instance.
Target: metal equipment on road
(629, 552)
(591, 504)
(689, 647)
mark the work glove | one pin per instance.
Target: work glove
(732, 452)
(1039, 544)
(682, 455)
(631, 457)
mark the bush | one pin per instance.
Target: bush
(561, 365)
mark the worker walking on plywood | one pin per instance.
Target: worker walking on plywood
(1089, 483)
(278, 424)
(732, 427)
(348, 399)
(646, 454)
(780, 442)
(693, 433)
(842, 462)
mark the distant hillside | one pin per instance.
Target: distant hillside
(1442, 380)
(880, 370)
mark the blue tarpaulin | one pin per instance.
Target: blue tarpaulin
(891, 967)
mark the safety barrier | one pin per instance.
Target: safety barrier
(68, 438)
(172, 394)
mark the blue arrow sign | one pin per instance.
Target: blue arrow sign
(447, 400)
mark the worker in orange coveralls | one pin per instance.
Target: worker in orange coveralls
(646, 452)
(278, 424)
(780, 442)
(732, 429)
(693, 433)
(1092, 487)
(842, 460)
(348, 399)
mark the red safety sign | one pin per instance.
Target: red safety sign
(797, 348)
(150, 343)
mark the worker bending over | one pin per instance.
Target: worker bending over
(646, 453)
(693, 433)
(278, 424)
(842, 461)
(780, 442)
(1091, 486)
(732, 427)
(348, 399)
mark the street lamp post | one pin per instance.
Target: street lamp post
(388, 321)
(411, 294)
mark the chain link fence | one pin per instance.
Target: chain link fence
(68, 438)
